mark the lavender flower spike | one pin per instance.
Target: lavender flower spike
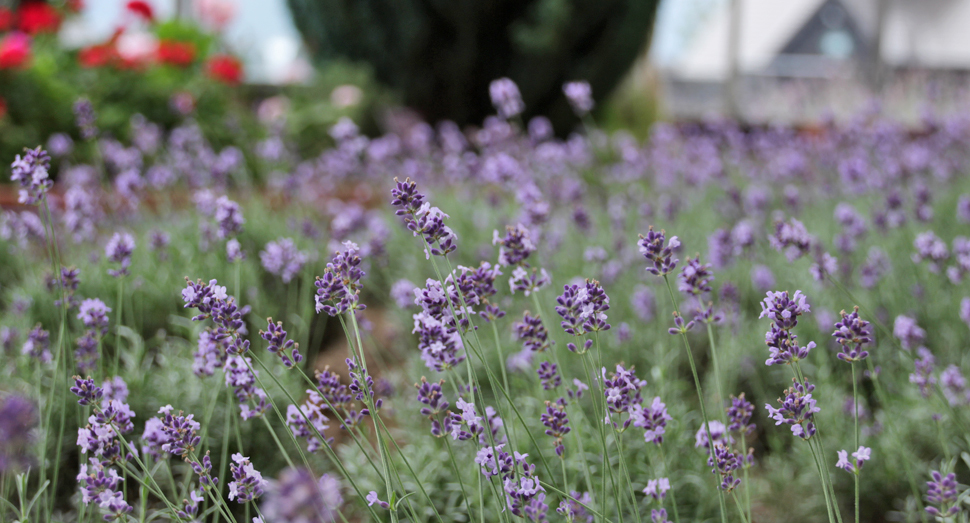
(852, 333)
(279, 345)
(653, 248)
(119, 250)
(338, 290)
(31, 172)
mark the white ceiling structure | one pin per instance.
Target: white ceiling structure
(923, 33)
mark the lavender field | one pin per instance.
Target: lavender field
(492, 324)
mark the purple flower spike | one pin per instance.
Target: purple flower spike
(204, 470)
(38, 344)
(656, 249)
(573, 508)
(431, 395)
(299, 497)
(923, 376)
(93, 313)
(653, 420)
(84, 117)
(229, 217)
(557, 423)
(583, 308)
(338, 290)
(739, 415)
(87, 390)
(580, 97)
(792, 238)
(279, 345)
(119, 250)
(852, 333)
(283, 259)
(695, 278)
(247, 483)
(528, 281)
(516, 245)
(680, 326)
(910, 334)
(506, 98)
(724, 462)
(423, 219)
(31, 172)
(532, 332)
(784, 312)
(549, 375)
(18, 417)
(797, 409)
(182, 432)
(942, 495)
(622, 391)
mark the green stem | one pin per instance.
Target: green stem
(744, 469)
(855, 412)
(369, 398)
(121, 303)
(673, 497)
(717, 372)
(279, 444)
(700, 398)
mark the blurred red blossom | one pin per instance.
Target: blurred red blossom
(142, 9)
(180, 54)
(14, 51)
(225, 68)
(38, 17)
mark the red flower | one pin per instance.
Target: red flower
(142, 9)
(6, 19)
(225, 68)
(14, 51)
(3, 108)
(38, 17)
(180, 54)
(97, 55)
(74, 6)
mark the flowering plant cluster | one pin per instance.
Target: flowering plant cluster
(522, 416)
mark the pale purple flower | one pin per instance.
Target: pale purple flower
(643, 302)
(229, 217)
(657, 488)
(791, 238)
(84, 117)
(18, 417)
(119, 250)
(762, 278)
(283, 258)
(93, 313)
(506, 97)
(528, 281)
(402, 292)
(908, 332)
(580, 96)
(372, 498)
(31, 173)
(860, 457)
(298, 497)
(234, 252)
(516, 245)
(929, 247)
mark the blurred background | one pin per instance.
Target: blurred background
(235, 65)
